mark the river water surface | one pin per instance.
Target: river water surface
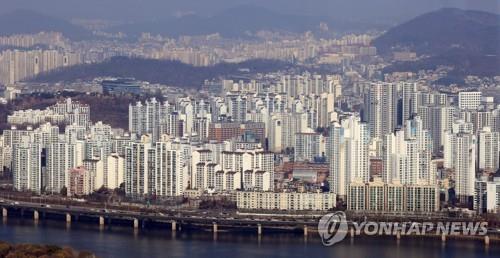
(125, 242)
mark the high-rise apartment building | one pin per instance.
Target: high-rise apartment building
(61, 157)
(349, 158)
(155, 168)
(410, 102)
(381, 108)
(27, 166)
(308, 146)
(460, 155)
(469, 100)
(489, 144)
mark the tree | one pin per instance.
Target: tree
(64, 191)
(102, 190)
(120, 191)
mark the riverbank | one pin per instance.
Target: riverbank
(37, 250)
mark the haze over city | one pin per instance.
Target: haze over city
(389, 11)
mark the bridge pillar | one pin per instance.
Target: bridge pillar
(259, 229)
(305, 230)
(398, 235)
(68, 218)
(352, 232)
(486, 240)
(443, 238)
(4, 212)
(36, 215)
(136, 223)
(174, 225)
(214, 227)
(101, 221)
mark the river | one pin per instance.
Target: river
(124, 242)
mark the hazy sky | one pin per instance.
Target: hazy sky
(134, 10)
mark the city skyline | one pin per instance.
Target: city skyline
(250, 127)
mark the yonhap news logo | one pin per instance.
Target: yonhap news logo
(333, 228)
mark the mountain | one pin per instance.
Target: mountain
(468, 41)
(236, 22)
(463, 63)
(442, 30)
(160, 71)
(27, 22)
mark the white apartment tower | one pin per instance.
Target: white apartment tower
(27, 166)
(348, 154)
(139, 166)
(307, 146)
(382, 103)
(469, 100)
(489, 150)
(407, 156)
(116, 171)
(171, 177)
(61, 157)
(410, 104)
(460, 155)
(158, 169)
(145, 119)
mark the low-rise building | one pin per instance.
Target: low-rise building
(377, 196)
(291, 201)
(79, 182)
